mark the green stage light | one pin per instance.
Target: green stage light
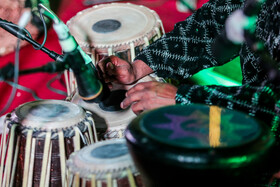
(226, 75)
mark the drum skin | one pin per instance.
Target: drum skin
(99, 160)
(170, 146)
(113, 27)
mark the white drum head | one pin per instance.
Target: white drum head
(113, 120)
(113, 25)
(49, 114)
(101, 158)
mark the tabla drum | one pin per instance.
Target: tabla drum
(110, 120)
(199, 145)
(42, 135)
(120, 29)
(110, 124)
(106, 163)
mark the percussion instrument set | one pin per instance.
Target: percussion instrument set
(72, 142)
(41, 135)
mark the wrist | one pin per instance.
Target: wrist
(140, 69)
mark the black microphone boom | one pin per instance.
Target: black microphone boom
(18, 32)
(7, 72)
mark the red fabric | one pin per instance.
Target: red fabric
(31, 58)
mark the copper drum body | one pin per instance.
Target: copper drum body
(42, 134)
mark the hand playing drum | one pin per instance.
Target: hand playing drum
(122, 30)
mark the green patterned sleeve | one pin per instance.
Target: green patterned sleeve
(186, 50)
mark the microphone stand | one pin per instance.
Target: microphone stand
(17, 32)
(8, 71)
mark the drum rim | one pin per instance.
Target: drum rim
(101, 48)
(21, 111)
(106, 118)
(99, 167)
(140, 144)
(187, 109)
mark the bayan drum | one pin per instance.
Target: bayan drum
(42, 135)
(107, 163)
(199, 145)
(120, 29)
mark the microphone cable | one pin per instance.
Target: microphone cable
(44, 26)
(23, 21)
(57, 77)
(15, 80)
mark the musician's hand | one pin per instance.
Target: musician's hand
(114, 69)
(149, 95)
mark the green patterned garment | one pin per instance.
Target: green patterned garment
(186, 50)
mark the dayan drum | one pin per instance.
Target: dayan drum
(199, 145)
(106, 163)
(120, 29)
(42, 135)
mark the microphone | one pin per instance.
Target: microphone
(90, 88)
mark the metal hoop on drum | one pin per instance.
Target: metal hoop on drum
(42, 135)
(121, 29)
(106, 163)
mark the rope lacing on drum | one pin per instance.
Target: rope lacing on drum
(82, 136)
